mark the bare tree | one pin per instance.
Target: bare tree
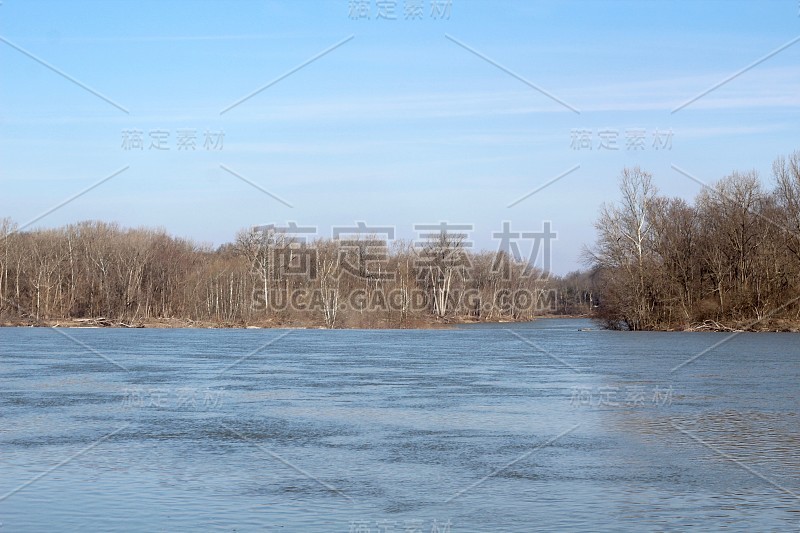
(623, 245)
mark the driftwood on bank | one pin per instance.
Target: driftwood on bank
(713, 325)
(105, 323)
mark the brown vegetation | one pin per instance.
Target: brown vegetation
(730, 261)
(99, 274)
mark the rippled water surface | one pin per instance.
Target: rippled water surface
(482, 428)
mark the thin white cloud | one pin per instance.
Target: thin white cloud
(764, 88)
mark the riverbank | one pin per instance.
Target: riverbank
(181, 323)
(773, 325)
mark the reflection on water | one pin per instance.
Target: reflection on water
(470, 429)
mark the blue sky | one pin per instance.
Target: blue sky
(400, 125)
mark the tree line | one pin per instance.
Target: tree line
(102, 273)
(728, 260)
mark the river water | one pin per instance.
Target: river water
(510, 427)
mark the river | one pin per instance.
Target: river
(502, 427)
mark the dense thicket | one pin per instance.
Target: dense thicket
(131, 276)
(730, 259)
